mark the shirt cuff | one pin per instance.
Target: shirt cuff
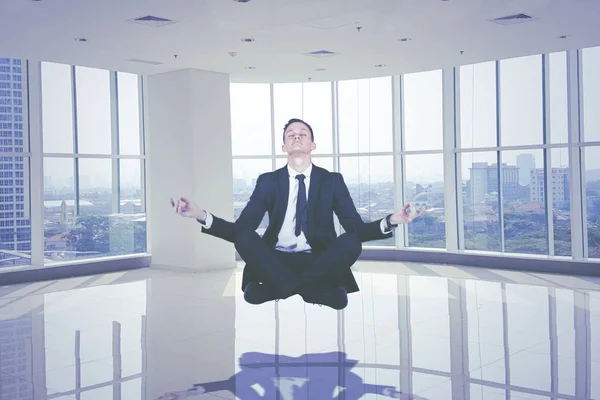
(384, 227)
(209, 220)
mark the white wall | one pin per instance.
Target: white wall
(188, 128)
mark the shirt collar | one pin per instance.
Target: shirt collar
(293, 173)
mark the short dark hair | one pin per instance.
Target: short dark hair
(291, 121)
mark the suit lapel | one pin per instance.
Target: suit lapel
(283, 194)
(313, 192)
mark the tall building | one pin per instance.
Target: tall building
(483, 182)
(560, 186)
(15, 228)
(525, 164)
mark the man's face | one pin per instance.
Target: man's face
(298, 139)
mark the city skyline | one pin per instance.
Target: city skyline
(78, 125)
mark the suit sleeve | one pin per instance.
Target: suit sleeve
(256, 208)
(221, 228)
(250, 217)
(345, 209)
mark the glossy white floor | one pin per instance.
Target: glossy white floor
(413, 331)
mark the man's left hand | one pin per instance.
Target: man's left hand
(406, 216)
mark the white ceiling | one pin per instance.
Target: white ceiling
(206, 32)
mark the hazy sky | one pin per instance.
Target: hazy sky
(364, 115)
(93, 125)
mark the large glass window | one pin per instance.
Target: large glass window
(425, 189)
(251, 119)
(592, 193)
(478, 105)
(365, 115)
(422, 122)
(245, 174)
(423, 111)
(93, 199)
(513, 188)
(513, 144)
(316, 110)
(591, 132)
(557, 98)
(561, 203)
(524, 202)
(129, 113)
(57, 105)
(481, 211)
(370, 181)
(591, 93)
(311, 102)
(59, 208)
(92, 88)
(521, 102)
(287, 104)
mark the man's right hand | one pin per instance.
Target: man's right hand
(187, 208)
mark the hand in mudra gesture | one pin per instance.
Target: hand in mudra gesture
(187, 208)
(406, 214)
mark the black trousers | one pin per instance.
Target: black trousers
(287, 273)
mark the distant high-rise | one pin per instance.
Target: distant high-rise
(15, 231)
(525, 163)
(560, 186)
(483, 182)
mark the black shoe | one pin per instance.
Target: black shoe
(258, 293)
(336, 298)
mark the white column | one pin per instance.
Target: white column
(36, 144)
(188, 131)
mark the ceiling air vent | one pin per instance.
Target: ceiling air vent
(138, 60)
(513, 19)
(151, 20)
(321, 53)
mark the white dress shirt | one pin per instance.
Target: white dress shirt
(288, 241)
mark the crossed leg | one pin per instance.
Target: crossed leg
(317, 277)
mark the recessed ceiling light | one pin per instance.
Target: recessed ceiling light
(320, 54)
(379, 65)
(247, 40)
(405, 39)
(79, 39)
(250, 67)
(152, 20)
(512, 19)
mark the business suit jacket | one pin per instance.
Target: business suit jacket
(327, 194)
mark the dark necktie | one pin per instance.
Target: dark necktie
(301, 205)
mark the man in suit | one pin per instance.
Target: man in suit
(300, 252)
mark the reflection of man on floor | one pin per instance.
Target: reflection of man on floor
(300, 252)
(311, 376)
